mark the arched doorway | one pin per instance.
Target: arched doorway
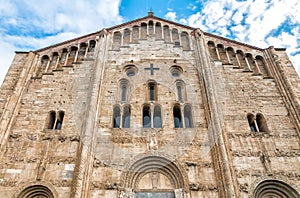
(36, 191)
(274, 189)
(154, 176)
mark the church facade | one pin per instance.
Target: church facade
(150, 108)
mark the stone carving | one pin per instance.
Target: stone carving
(111, 186)
(154, 179)
(126, 193)
(7, 182)
(202, 187)
(189, 163)
(41, 170)
(153, 145)
(244, 187)
(14, 136)
(74, 138)
(97, 163)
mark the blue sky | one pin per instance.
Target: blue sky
(33, 24)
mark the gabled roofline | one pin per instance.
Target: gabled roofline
(69, 41)
(232, 41)
(150, 16)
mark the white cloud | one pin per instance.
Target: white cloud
(62, 20)
(171, 16)
(254, 22)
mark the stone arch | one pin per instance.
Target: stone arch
(72, 55)
(185, 42)
(117, 37)
(180, 90)
(175, 37)
(241, 58)
(157, 119)
(158, 31)
(146, 116)
(251, 64)
(152, 93)
(177, 116)
(167, 36)
(232, 56)
(123, 86)
(261, 64)
(151, 28)
(126, 36)
(222, 53)
(82, 51)
(261, 123)
(274, 188)
(36, 189)
(212, 50)
(126, 116)
(188, 117)
(135, 33)
(116, 116)
(144, 31)
(53, 62)
(64, 54)
(147, 163)
(251, 122)
(92, 45)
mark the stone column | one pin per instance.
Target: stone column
(223, 166)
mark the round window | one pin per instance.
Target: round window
(130, 72)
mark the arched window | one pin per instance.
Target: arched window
(143, 31)
(124, 89)
(135, 33)
(188, 117)
(261, 65)
(185, 41)
(251, 121)
(146, 117)
(222, 53)
(51, 119)
(250, 62)
(176, 71)
(63, 57)
(72, 55)
(92, 45)
(151, 29)
(59, 120)
(152, 88)
(82, 51)
(179, 93)
(212, 50)
(53, 61)
(158, 32)
(180, 89)
(175, 37)
(117, 40)
(232, 56)
(116, 117)
(44, 62)
(126, 37)
(157, 121)
(177, 116)
(241, 58)
(126, 117)
(167, 34)
(261, 123)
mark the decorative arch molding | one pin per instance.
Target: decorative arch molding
(34, 189)
(269, 187)
(158, 162)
